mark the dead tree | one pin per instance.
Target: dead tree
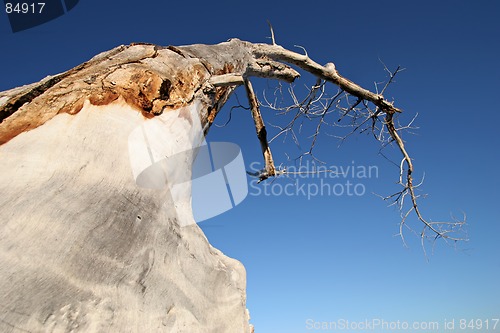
(84, 249)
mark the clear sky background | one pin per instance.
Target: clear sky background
(333, 258)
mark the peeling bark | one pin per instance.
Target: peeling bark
(150, 78)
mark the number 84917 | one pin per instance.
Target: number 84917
(24, 8)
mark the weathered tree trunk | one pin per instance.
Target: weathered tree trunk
(83, 248)
(95, 234)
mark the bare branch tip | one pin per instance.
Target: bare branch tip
(272, 32)
(303, 49)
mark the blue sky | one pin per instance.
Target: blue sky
(335, 258)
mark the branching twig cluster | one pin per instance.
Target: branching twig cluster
(352, 114)
(348, 110)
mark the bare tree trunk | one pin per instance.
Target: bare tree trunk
(90, 239)
(82, 246)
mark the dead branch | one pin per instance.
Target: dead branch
(409, 189)
(327, 73)
(261, 133)
(369, 111)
